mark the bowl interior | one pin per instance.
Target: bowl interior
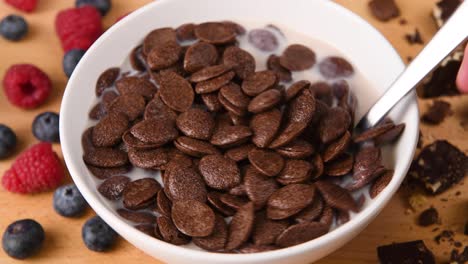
(369, 52)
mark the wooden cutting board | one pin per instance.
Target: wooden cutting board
(63, 243)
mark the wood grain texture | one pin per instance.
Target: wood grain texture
(63, 244)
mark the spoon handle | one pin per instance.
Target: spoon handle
(445, 41)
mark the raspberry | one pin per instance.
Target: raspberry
(26, 86)
(24, 5)
(78, 28)
(35, 170)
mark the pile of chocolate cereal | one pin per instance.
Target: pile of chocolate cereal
(246, 164)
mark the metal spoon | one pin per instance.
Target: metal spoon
(452, 34)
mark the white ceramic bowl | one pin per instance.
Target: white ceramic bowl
(363, 45)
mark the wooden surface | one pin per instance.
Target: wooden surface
(63, 244)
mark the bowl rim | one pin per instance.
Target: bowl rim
(123, 227)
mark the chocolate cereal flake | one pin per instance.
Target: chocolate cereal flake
(193, 218)
(106, 80)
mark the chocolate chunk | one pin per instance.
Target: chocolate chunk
(193, 218)
(428, 217)
(258, 82)
(148, 158)
(335, 67)
(273, 64)
(215, 33)
(443, 81)
(265, 101)
(164, 56)
(199, 56)
(140, 194)
(183, 183)
(266, 162)
(259, 187)
(336, 196)
(456, 257)
(230, 136)
(437, 112)
(239, 153)
(297, 57)
(439, 166)
(219, 172)
(218, 237)
(209, 73)
(295, 171)
(170, 233)
(214, 198)
(242, 62)
(136, 85)
(196, 123)
(406, 252)
(186, 32)
(158, 131)
(106, 157)
(311, 212)
(380, 183)
(176, 92)
(384, 10)
(300, 233)
(194, 147)
(137, 217)
(337, 147)
(334, 124)
(266, 230)
(157, 38)
(106, 80)
(265, 126)
(447, 8)
(240, 227)
(104, 173)
(263, 40)
(113, 187)
(289, 200)
(414, 38)
(163, 204)
(132, 105)
(108, 132)
(214, 84)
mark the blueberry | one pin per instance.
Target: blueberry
(7, 141)
(23, 238)
(97, 235)
(102, 6)
(45, 127)
(68, 201)
(13, 27)
(71, 59)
